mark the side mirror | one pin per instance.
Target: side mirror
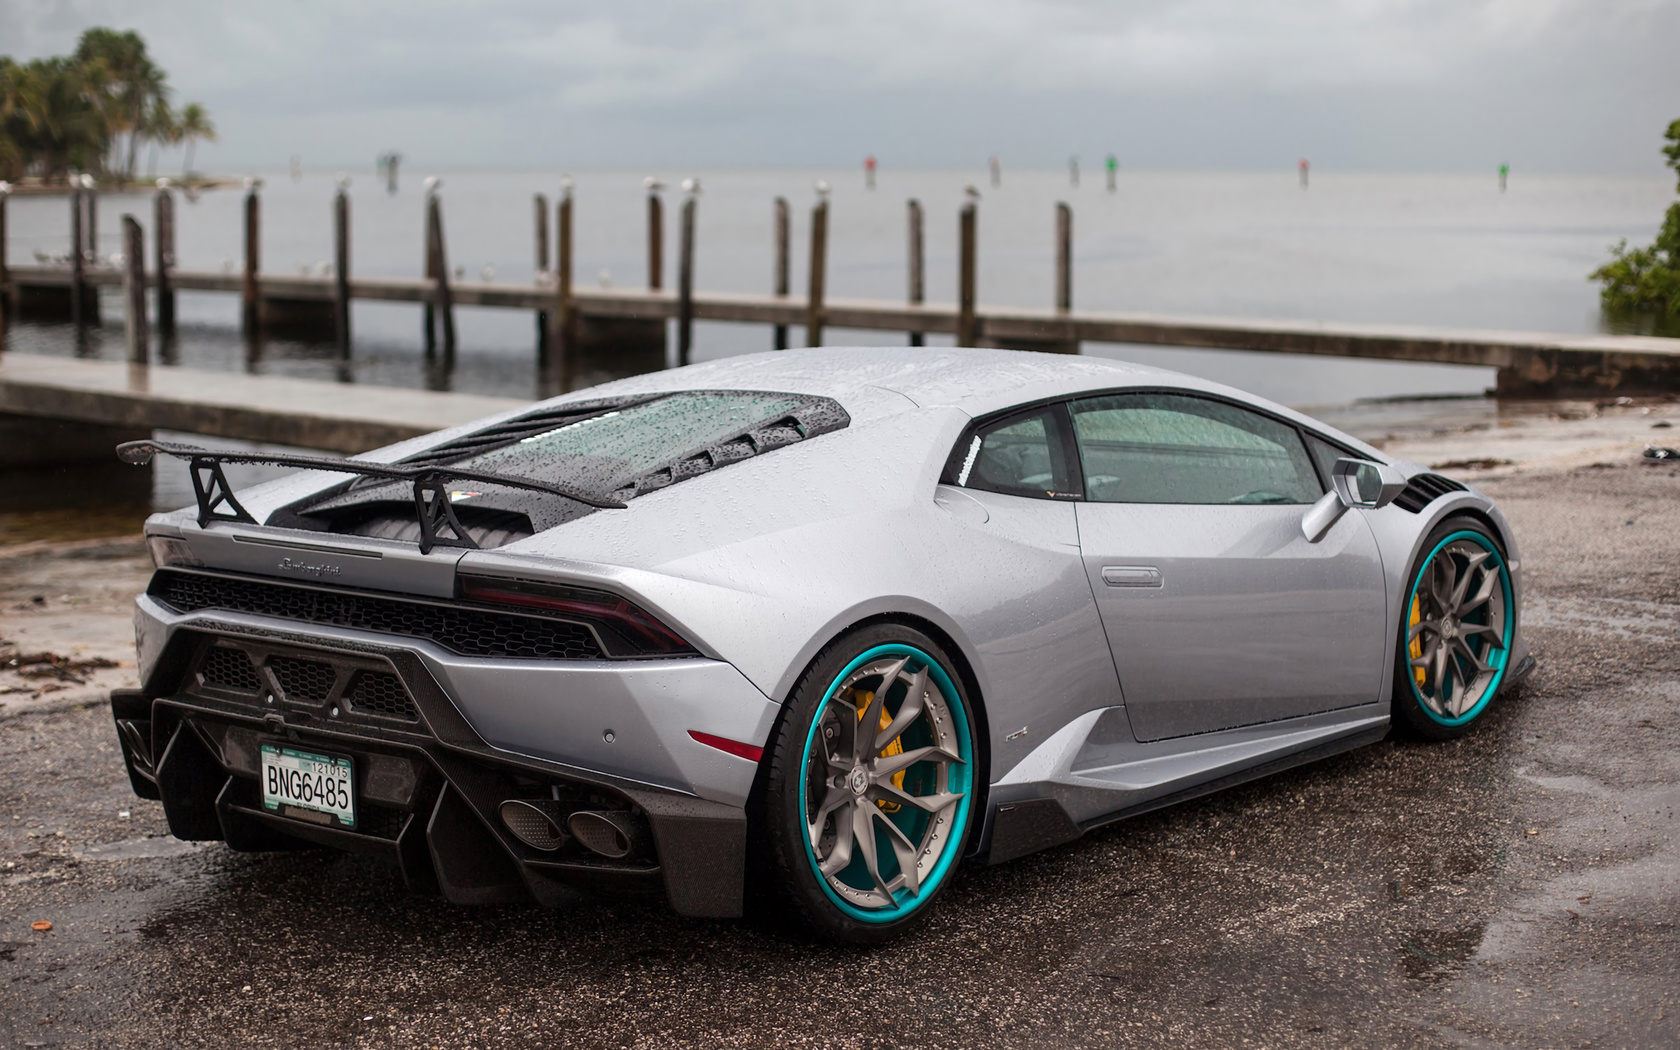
(1362, 483)
(1353, 483)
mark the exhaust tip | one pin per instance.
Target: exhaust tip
(531, 824)
(612, 835)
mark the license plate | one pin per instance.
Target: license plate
(304, 780)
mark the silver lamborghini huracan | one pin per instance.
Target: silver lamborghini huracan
(812, 627)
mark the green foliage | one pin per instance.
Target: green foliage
(89, 111)
(1672, 150)
(1646, 281)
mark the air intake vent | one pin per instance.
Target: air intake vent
(303, 679)
(225, 668)
(518, 428)
(380, 693)
(1425, 489)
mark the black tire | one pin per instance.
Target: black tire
(783, 856)
(1411, 714)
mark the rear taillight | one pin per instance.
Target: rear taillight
(640, 633)
(167, 551)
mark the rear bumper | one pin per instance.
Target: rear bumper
(466, 735)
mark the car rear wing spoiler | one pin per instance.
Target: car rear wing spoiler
(438, 524)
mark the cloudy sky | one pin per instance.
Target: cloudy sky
(1375, 85)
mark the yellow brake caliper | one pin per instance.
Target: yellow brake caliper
(1415, 649)
(863, 698)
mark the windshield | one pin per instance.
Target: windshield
(605, 452)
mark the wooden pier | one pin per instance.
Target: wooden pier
(625, 329)
(1529, 363)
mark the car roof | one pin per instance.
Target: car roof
(872, 381)
(976, 381)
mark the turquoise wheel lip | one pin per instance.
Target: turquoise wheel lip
(1504, 653)
(907, 904)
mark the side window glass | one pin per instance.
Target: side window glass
(1326, 455)
(1021, 456)
(1172, 448)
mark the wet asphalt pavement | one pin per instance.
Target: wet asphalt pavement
(1520, 888)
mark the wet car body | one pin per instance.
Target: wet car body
(1123, 655)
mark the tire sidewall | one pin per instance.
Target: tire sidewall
(1408, 712)
(782, 831)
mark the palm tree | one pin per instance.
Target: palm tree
(194, 125)
(124, 84)
(162, 127)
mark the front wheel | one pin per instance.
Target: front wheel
(869, 794)
(1455, 632)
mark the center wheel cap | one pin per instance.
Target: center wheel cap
(858, 780)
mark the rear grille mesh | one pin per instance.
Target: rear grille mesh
(303, 679)
(380, 693)
(227, 668)
(380, 821)
(1425, 489)
(466, 631)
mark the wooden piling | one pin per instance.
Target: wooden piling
(539, 239)
(134, 291)
(968, 333)
(565, 307)
(656, 239)
(253, 262)
(440, 276)
(163, 236)
(90, 228)
(428, 312)
(917, 286)
(78, 290)
(5, 273)
(540, 270)
(1064, 257)
(685, 285)
(341, 271)
(814, 314)
(781, 274)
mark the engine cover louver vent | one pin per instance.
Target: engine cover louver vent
(1425, 489)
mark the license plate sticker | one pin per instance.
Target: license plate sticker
(293, 779)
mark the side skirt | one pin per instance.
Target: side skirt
(1026, 825)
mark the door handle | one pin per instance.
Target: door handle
(1131, 575)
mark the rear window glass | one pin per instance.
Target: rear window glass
(604, 452)
(1021, 456)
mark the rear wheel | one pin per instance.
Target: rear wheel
(1455, 633)
(869, 792)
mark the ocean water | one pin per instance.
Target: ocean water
(1448, 250)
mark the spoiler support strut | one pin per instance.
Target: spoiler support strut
(436, 514)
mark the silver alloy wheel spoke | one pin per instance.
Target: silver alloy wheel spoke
(837, 797)
(886, 791)
(886, 767)
(841, 855)
(908, 712)
(909, 873)
(863, 835)
(871, 717)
